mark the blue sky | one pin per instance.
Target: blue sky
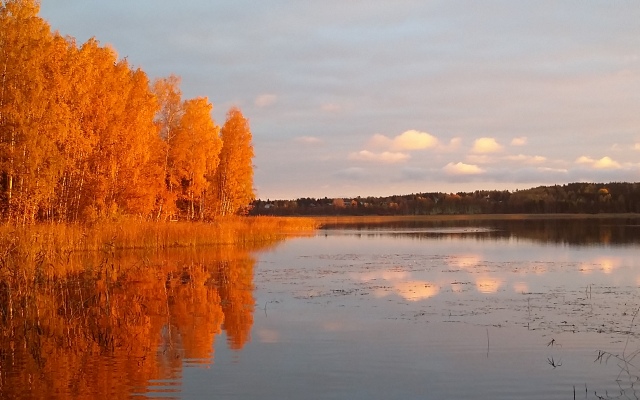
(352, 97)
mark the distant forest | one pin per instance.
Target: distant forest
(573, 198)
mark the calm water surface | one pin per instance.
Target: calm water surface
(482, 310)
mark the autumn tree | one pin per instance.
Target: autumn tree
(32, 117)
(232, 186)
(193, 154)
(117, 115)
(78, 143)
(167, 119)
(191, 148)
(83, 135)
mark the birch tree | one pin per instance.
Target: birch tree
(31, 118)
(194, 151)
(232, 187)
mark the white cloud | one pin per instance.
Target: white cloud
(519, 141)
(408, 140)
(414, 140)
(527, 159)
(308, 140)
(585, 160)
(553, 170)
(603, 163)
(486, 145)
(386, 157)
(265, 100)
(606, 163)
(462, 169)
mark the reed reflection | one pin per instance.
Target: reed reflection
(108, 325)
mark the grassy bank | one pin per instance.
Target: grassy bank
(159, 235)
(61, 248)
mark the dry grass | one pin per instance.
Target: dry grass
(28, 250)
(137, 235)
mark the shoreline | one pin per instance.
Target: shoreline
(343, 219)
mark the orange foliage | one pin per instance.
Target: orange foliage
(194, 154)
(233, 181)
(83, 136)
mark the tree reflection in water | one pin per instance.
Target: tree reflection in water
(108, 325)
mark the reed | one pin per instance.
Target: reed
(132, 234)
(32, 250)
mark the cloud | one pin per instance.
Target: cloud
(603, 163)
(455, 142)
(615, 147)
(606, 163)
(453, 145)
(462, 169)
(585, 160)
(408, 140)
(386, 157)
(380, 141)
(553, 170)
(486, 145)
(519, 141)
(265, 100)
(414, 140)
(308, 140)
(636, 146)
(527, 159)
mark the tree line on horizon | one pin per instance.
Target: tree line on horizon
(85, 136)
(589, 198)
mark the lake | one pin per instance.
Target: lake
(407, 310)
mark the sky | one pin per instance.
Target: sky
(373, 98)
